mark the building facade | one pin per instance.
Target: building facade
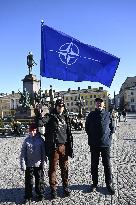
(86, 97)
(130, 99)
(127, 94)
(9, 104)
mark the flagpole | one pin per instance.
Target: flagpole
(42, 23)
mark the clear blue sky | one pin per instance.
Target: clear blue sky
(107, 24)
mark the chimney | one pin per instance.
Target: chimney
(13, 92)
(101, 88)
(69, 90)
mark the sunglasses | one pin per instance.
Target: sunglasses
(60, 105)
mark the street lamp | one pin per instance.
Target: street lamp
(49, 99)
(80, 103)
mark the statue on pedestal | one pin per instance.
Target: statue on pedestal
(30, 62)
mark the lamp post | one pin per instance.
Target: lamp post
(48, 99)
(51, 95)
(80, 103)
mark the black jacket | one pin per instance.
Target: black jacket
(99, 128)
(57, 131)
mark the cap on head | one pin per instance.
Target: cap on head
(59, 102)
(32, 127)
(98, 100)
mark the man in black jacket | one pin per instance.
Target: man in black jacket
(99, 130)
(58, 142)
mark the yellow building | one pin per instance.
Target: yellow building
(86, 97)
(8, 104)
(4, 106)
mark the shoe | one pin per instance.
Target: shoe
(93, 187)
(28, 200)
(110, 189)
(66, 191)
(39, 197)
(54, 194)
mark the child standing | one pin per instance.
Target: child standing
(32, 162)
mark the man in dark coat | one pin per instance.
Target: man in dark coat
(58, 142)
(99, 129)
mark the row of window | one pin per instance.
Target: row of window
(76, 110)
(86, 103)
(4, 107)
(84, 97)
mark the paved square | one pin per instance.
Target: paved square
(123, 152)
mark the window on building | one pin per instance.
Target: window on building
(132, 93)
(90, 102)
(71, 109)
(66, 98)
(75, 97)
(132, 99)
(82, 97)
(94, 96)
(86, 102)
(71, 103)
(90, 96)
(71, 98)
(67, 104)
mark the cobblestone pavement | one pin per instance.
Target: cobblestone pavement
(123, 152)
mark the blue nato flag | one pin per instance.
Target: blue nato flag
(67, 59)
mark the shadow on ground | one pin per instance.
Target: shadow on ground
(16, 195)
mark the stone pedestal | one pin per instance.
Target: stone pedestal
(31, 84)
(24, 113)
(28, 113)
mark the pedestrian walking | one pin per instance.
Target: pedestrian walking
(59, 144)
(115, 119)
(124, 113)
(32, 162)
(119, 115)
(16, 128)
(99, 129)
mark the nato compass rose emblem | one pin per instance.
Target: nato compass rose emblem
(69, 54)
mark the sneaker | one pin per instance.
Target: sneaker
(66, 191)
(93, 187)
(54, 194)
(110, 189)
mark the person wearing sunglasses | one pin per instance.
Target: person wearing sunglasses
(57, 147)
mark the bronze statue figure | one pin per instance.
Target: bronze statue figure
(30, 62)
